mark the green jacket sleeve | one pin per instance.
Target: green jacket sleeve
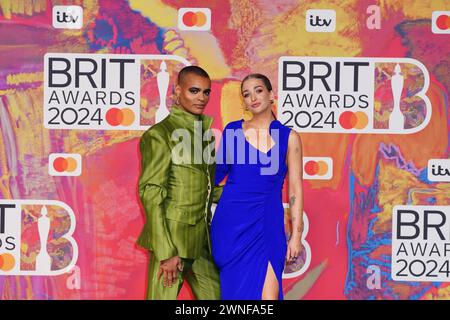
(155, 166)
(216, 193)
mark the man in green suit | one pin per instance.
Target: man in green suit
(176, 188)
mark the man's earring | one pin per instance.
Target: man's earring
(178, 101)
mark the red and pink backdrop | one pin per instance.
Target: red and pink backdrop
(365, 83)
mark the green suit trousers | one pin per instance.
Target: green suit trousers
(201, 274)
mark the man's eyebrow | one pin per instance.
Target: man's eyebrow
(196, 88)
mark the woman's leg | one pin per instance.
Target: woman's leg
(270, 289)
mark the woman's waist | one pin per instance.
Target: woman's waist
(252, 186)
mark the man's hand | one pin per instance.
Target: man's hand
(169, 270)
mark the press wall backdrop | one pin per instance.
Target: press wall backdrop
(365, 83)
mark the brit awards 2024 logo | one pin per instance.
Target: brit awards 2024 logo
(36, 237)
(353, 95)
(107, 91)
(421, 243)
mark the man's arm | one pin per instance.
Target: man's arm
(155, 166)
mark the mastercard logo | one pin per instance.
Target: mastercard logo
(120, 117)
(64, 164)
(194, 19)
(353, 120)
(440, 22)
(313, 168)
(443, 22)
(7, 262)
(319, 168)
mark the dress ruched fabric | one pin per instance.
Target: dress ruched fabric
(247, 230)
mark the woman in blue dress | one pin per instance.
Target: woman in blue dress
(247, 230)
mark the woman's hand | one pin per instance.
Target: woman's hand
(294, 248)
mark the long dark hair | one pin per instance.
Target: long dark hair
(261, 77)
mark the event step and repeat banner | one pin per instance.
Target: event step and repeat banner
(365, 83)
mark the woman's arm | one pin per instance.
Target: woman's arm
(295, 172)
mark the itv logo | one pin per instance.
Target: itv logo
(67, 17)
(320, 20)
(439, 170)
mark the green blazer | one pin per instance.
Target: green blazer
(176, 185)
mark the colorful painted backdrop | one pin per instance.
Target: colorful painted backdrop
(349, 216)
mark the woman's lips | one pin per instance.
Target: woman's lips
(255, 105)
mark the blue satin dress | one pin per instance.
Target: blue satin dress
(247, 230)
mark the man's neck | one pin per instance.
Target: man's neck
(196, 116)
